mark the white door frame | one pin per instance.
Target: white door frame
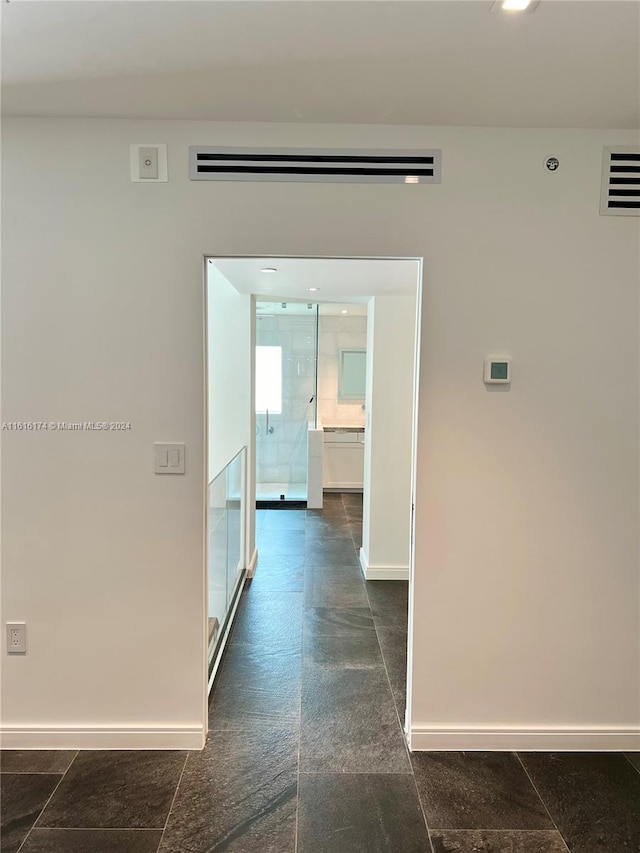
(250, 544)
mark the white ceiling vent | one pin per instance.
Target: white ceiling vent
(620, 182)
(326, 165)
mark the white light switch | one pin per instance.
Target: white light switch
(168, 458)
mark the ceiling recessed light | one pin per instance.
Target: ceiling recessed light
(517, 5)
(344, 311)
(312, 289)
(412, 179)
(268, 269)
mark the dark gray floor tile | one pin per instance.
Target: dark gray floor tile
(330, 509)
(360, 813)
(477, 790)
(93, 841)
(256, 686)
(594, 798)
(275, 541)
(481, 841)
(334, 528)
(22, 798)
(349, 723)
(319, 552)
(333, 587)
(237, 795)
(36, 760)
(393, 643)
(352, 498)
(634, 758)
(332, 621)
(278, 574)
(116, 789)
(285, 519)
(389, 601)
(356, 534)
(269, 620)
(340, 637)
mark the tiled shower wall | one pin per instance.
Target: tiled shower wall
(336, 333)
(281, 457)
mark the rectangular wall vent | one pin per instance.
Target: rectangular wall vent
(620, 182)
(326, 165)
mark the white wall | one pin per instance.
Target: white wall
(526, 576)
(336, 333)
(229, 370)
(387, 486)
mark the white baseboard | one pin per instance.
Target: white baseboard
(97, 737)
(490, 738)
(253, 562)
(382, 573)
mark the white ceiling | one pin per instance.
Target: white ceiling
(568, 64)
(344, 280)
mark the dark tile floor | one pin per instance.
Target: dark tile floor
(306, 752)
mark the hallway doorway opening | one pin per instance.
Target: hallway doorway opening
(358, 524)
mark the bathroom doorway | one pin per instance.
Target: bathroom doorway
(286, 360)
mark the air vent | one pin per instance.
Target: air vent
(314, 164)
(620, 182)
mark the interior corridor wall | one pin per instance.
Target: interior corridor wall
(526, 572)
(391, 325)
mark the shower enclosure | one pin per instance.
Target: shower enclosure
(286, 381)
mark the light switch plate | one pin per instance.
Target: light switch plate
(156, 171)
(168, 458)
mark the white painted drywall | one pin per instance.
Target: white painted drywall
(336, 332)
(229, 370)
(526, 575)
(390, 368)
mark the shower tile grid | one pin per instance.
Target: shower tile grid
(306, 752)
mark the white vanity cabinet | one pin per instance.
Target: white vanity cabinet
(343, 458)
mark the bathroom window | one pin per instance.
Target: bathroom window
(268, 380)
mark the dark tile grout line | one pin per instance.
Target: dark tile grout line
(173, 801)
(635, 766)
(533, 785)
(400, 723)
(40, 813)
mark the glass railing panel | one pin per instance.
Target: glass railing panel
(226, 545)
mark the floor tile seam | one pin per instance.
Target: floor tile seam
(635, 766)
(547, 810)
(421, 805)
(493, 829)
(386, 669)
(42, 810)
(32, 772)
(173, 801)
(356, 773)
(99, 828)
(302, 635)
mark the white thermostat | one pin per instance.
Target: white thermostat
(497, 371)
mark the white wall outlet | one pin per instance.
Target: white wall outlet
(148, 163)
(168, 458)
(148, 166)
(16, 638)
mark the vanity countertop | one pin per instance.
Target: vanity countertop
(343, 428)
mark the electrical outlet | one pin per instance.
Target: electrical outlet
(16, 638)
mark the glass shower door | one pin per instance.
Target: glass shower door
(286, 376)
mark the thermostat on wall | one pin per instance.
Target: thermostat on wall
(497, 371)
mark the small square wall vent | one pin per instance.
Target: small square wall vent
(326, 165)
(620, 182)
